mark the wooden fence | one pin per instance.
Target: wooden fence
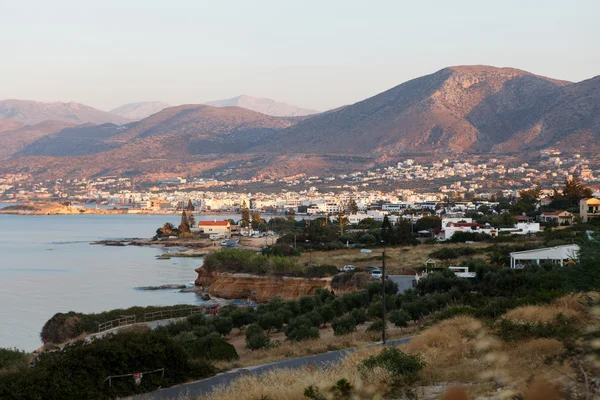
(115, 323)
(178, 313)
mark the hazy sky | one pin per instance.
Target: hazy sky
(317, 54)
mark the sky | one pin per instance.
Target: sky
(317, 54)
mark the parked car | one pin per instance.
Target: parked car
(347, 268)
(371, 268)
(376, 274)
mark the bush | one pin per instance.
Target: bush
(213, 347)
(344, 325)
(270, 321)
(403, 367)
(561, 329)
(241, 318)
(77, 370)
(300, 328)
(376, 326)
(12, 359)
(256, 338)
(359, 315)
(400, 318)
(327, 313)
(223, 325)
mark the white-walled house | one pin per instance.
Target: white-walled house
(451, 228)
(556, 255)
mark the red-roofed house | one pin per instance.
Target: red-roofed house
(560, 217)
(219, 227)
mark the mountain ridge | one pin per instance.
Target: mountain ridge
(31, 112)
(462, 109)
(263, 106)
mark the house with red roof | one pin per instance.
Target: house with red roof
(214, 227)
(560, 217)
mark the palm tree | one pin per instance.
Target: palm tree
(168, 229)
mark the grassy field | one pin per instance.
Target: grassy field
(400, 260)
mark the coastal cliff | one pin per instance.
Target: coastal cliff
(258, 288)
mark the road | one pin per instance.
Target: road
(205, 386)
(404, 281)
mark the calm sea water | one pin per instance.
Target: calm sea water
(47, 266)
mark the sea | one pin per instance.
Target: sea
(47, 265)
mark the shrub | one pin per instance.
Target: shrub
(327, 313)
(338, 307)
(300, 328)
(256, 338)
(197, 320)
(344, 325)
(359, 315)
(201, 331)
(12, 359)
(315, 318)
(77, 370)
(375, 310)
(561, 329)
(213, 347)
(400, 318)
(270, 321)
(403, 367)
(223, 325)
(376, 326)
(306, 303)
(241, 318)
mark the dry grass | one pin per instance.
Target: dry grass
(570, 306)
(290, 384)
(399, 259)
(462, 350)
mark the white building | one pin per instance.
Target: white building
(556, 255)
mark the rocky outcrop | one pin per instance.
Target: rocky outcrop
(258, 288)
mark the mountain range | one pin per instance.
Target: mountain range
(478, 109)
(141, 110)
(264, 106)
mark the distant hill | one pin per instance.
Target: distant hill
(264, 106)
(138, 111)
(465, 109)
(15, 140)
(33, 112)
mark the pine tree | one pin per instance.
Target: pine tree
(190, 206)
(386, 229)
(352, 207)
(245, 215)
(342, 219)
(191, 220)
(183, 225)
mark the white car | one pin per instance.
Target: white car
(347, 268)
(376, 274)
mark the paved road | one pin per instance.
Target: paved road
(404, 281)
(205, 386)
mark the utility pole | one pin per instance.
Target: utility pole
(383, 295)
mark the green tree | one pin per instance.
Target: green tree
(184, 227)
(528, 200)
(387, 231)
(352, 206)
(429, 223)
(168, 229)
(400, 318)
(342, 219)
(245, 215)
(191, 220)
(574, 191)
